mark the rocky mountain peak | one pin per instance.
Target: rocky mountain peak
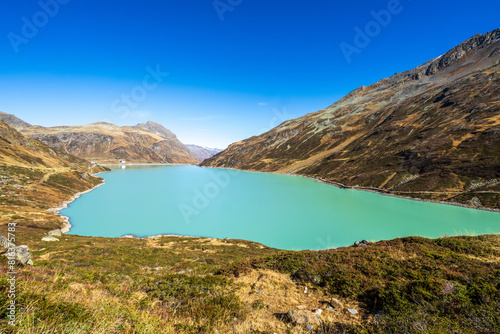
(157, 129)
(14, 121)
(453, 56)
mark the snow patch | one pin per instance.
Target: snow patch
(436, 58)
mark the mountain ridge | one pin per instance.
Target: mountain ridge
(431, 129)
(104, 142)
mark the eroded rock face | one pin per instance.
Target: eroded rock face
(434, 128)
(79, 144)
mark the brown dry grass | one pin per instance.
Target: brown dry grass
(280, 295)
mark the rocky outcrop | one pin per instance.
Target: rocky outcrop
(80, 144)
(433, 130)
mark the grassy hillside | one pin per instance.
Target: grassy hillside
(194, 285)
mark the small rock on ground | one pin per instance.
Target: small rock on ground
(336, 303)
(352, 311)
(302, 317)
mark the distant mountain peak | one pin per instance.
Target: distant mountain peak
(156, 128)
(202, 153)
(14, 121)
(103, 123)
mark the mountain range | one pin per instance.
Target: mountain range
(148, 142)
(432, 132)
(203, 153)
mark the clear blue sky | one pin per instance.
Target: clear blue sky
(233, 72)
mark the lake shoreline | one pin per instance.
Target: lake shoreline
(367, 189)
(146, 164)
(389, 193)
(63, 205)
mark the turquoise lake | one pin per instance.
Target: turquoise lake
(281, 211)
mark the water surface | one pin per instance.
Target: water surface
(287, 212)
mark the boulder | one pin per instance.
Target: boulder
(475, 201)
(303, 317)
(55, 233)
(361, 243)
(23, 254)
(49, 238)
